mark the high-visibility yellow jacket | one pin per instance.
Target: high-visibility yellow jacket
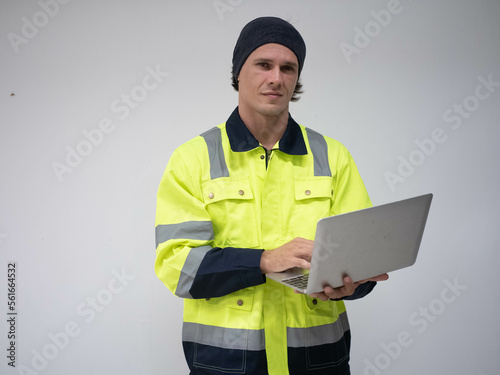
(222, 200)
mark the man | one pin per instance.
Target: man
(259, 181)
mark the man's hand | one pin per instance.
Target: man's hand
(296, 253)
(347, 289)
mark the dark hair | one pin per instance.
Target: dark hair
(295, 97)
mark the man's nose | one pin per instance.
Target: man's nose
(275, 77)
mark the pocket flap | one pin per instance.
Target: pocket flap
(225, 188)
(239, 300)
(312, 303)
(314, 187)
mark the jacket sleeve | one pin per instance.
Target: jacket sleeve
(186, 262)
(350, 195)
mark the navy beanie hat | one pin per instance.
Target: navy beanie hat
(266, 30)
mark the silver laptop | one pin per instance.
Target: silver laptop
(362, 244)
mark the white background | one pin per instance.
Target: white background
(69, 67)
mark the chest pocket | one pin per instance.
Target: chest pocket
(313, 201)
(230, 204)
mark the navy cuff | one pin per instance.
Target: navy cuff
(361, 291)
(224, 271)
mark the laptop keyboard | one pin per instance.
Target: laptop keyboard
(299, 281)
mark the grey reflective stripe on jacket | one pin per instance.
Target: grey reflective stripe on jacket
(189, 270)
(319, 149)
(218, 167)
(194, 230)
(318, 335)
(223, 337)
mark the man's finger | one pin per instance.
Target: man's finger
(302, 263)
(382, 277)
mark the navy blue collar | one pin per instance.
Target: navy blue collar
(240, 138)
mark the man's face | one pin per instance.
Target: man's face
(267, 80)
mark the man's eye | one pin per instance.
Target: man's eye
(287, 68)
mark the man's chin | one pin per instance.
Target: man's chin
(273, 110)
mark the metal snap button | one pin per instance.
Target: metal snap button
(315, 301)
(262, 157)
(241, 192)
(211, 195)
(308, 192)
(240, 302)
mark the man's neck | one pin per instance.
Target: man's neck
(268, 130)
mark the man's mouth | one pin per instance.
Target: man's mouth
(272, 94)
